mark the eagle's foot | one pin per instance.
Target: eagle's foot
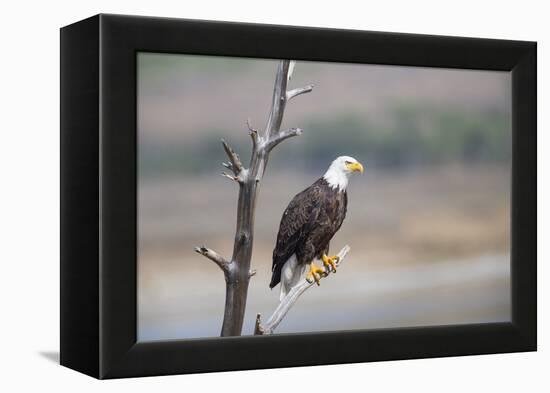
(315, 273)
(330, 262)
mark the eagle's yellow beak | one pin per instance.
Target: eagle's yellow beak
(355, 167)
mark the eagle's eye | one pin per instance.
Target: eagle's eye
(348, 162)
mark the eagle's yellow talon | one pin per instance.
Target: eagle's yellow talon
(315, 274)
(330, 261)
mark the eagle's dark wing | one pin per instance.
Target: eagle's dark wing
(296, 223)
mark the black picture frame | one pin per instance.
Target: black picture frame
(98, 196)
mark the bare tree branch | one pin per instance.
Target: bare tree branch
(231, 177)
(253, 135)
(289, 300)
(278, 102)
(234, 159)
(282, 136)
(228, 166)
(296, 92)
(238, 271)
(291, 66)
(214, 257)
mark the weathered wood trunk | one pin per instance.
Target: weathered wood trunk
(238, 276)
(237, 270)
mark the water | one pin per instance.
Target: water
(460, 291)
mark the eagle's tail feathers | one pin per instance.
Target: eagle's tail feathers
(290, 276)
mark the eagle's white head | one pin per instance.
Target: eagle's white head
(338, 173)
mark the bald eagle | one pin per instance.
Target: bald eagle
(308, 224)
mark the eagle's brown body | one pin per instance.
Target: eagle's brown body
(308, 224)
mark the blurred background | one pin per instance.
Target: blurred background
(428, 222)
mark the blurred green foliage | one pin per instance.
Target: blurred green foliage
(413, 136)
(155, 69)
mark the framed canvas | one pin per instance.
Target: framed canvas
(412, 156)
